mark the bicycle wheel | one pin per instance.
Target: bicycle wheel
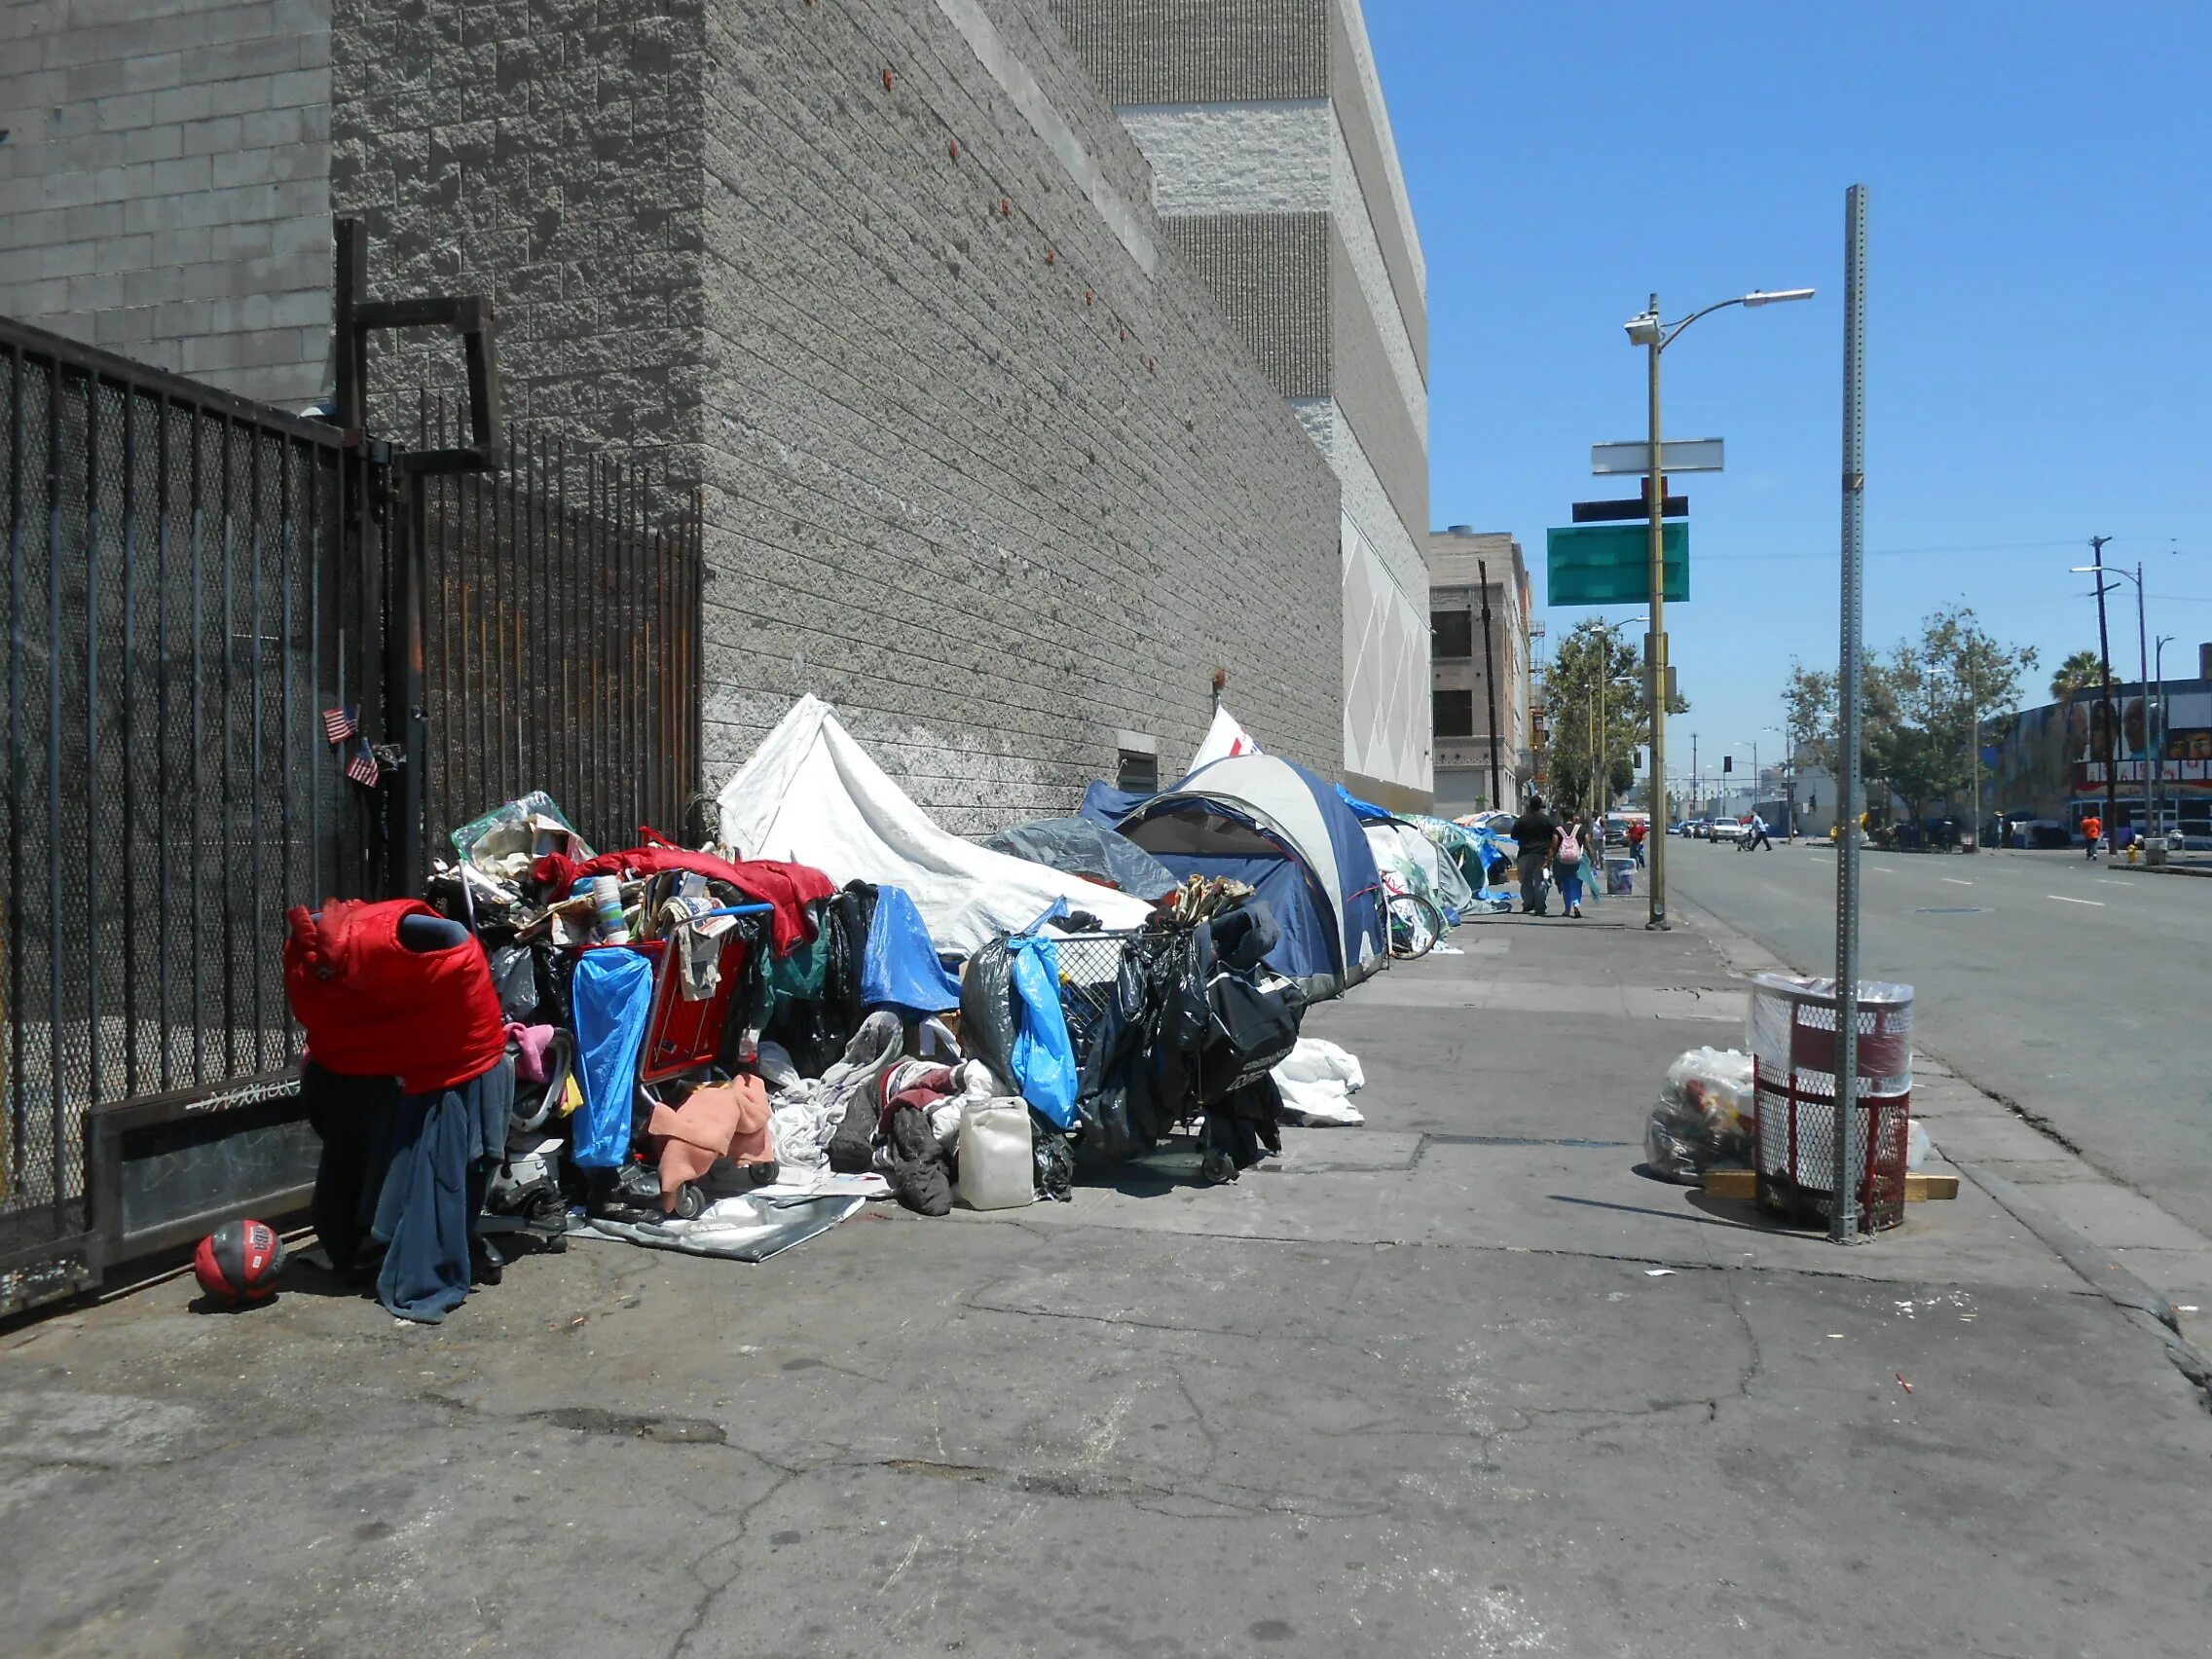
(1415, 925)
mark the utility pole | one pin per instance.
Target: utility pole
(2111, 714)
(2143, 702)
(1490, 683)
(1655, 648)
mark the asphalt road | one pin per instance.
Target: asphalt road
(2075, 991)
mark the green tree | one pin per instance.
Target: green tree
(2081, 671)
(1595, 667)
(1947, 682)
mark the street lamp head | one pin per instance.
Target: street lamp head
(1761, 298)
(1643, 330)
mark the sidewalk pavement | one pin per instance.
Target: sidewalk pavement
(1460, 1382)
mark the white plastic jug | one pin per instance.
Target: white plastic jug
(997, 1170)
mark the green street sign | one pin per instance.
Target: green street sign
(1611, 564)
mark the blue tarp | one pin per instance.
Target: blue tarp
(613, 996)
(1366, 811)
(900, 968)
(1106, 806)
(1044, 1053)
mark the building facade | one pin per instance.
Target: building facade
(1275, 175)
(981, 461)
(1470, 675)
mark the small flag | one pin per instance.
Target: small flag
(341, 722)
(362, 767)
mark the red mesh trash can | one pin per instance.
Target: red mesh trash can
(1793, 1075)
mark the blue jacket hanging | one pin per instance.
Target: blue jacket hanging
(612, 993)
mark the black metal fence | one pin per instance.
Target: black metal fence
(192, 582)
(562, 643)
(176, 602)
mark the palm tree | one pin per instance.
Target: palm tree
(2080, 672)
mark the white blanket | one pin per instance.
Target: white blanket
(812, 794)
(1317, 1080)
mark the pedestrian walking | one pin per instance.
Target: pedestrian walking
(1758, 836)
(1567, 863)
(1533, 831)
(1637, 830)
(2092, 833)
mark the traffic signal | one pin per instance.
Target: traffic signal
(1727, 762)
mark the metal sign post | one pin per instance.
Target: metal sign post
(1847, 1160)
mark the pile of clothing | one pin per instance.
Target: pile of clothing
(694, 1051)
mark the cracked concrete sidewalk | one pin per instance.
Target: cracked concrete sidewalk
(1457, 1382)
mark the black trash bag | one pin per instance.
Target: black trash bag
(1116, 1043)
(514, 975)
(1180, 973)
(986, 1008)
(1053, 1156)
(1252, 1026)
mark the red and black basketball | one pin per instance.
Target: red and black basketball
(239, 1261)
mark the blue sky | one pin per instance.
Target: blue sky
(2039, 336)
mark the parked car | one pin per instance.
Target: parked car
(1727, 830)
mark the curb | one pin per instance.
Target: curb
(2137, 1302)
(2115, 1283)
(2163, 870)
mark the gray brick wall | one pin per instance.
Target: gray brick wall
(1171, 52)
(165, 184)
(968, 472)
(1271, 273)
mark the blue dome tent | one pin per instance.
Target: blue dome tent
(1273, 824)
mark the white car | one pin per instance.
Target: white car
(1728, 830)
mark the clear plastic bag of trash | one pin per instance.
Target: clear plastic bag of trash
(1706, 1115)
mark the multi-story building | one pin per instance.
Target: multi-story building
(1276, 176)
(1475, 679)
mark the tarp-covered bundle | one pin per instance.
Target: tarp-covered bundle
(1081, 847)
(811, 789)
(1275, 826)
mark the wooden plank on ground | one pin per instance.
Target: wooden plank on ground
(1744, 1184)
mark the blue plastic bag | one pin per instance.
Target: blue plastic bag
(613, 996)
(900, 968)
(1044, 1054)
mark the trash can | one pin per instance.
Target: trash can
(1620, 876)
(2155, 851)
(1794, 1069)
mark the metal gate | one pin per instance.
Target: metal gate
(201, 591)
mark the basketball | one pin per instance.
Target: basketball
(239, 1261)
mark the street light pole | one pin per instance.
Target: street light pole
(2111, 715)
(1655, 335)
(1655, 649)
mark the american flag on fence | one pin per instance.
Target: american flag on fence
(362, 767)
(341, 722)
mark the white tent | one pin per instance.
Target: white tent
(811, 794)
(1223, 739)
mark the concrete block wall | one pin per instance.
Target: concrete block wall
(165, 184)
(984, 463)
(546, 152)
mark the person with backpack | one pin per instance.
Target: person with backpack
(1567, 862)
